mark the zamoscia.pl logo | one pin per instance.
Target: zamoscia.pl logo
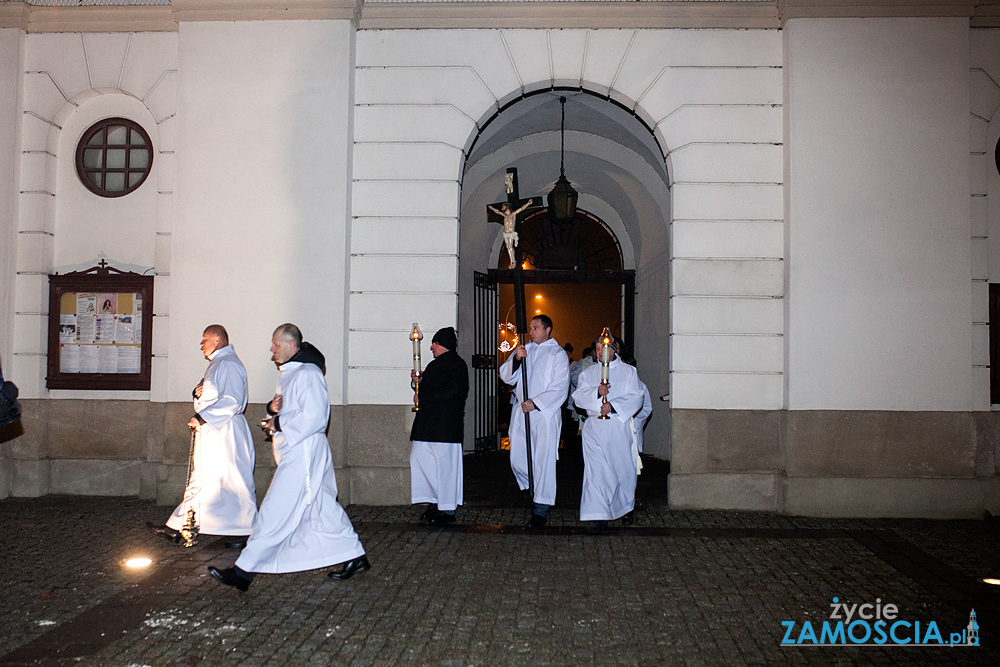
(874, 624)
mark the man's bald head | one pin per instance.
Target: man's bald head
(289, 331)
(285, 342)
(220, 331)
(213, 338)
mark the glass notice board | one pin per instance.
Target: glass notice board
(100, 330)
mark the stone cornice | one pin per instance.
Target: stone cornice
(14, 15)
(266, 10)
(570, 15)
(794, 9)
(31, 18)
(417, 15)
(987, 15)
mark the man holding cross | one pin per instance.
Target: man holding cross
(547, 385)
(541, 385)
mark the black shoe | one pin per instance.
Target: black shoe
(442, 519)
(429, 514)
(628, 520)
(165, 532)
(237, 542)
(351, 568)
(229, 577)
(598, 527)
(536, 521)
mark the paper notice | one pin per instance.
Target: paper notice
(69, 358)
(109, 303)
(107, 359)
(104, 331)
(88, 358)
(128, 358)
(86, 304)
(86, 328)
(124, 330)
(67, 328)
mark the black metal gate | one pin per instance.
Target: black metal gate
(484, 363)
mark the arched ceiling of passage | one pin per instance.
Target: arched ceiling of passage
(540, 112)
(611, 159)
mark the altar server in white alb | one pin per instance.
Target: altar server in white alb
(221, 489)
(641, 417)
(548, 386)
(610, 454)
(301, 526)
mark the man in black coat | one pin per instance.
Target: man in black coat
(436, 453)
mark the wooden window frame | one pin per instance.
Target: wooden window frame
(104, 170)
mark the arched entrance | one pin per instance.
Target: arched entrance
(615, 163)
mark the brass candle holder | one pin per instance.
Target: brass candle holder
(189, 531)
(605, 367)
(416, 336)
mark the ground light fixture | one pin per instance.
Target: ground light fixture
(992, 582)
(138, 562)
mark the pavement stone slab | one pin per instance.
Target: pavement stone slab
(678, 587)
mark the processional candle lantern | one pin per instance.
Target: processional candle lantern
(416, 336)
(605, 365)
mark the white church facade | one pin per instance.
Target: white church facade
(806, 192)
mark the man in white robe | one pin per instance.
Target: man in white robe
(221, 488)
(548, 385)
(641, 417)
(301, 526)
(609, 451)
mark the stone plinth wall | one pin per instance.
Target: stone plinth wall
(837, 463)
(138, 448)
(814, 463)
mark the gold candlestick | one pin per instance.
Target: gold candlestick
(605, 366)
(416, 336)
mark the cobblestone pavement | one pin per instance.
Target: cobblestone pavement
(678, 587)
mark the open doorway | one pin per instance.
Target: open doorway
(579, 311)
(616, 164)
(572, 273)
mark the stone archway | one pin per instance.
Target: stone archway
(713, 101)
(621, 179)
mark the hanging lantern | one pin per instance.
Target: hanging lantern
(562, 199)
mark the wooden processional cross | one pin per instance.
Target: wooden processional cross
(509, 214)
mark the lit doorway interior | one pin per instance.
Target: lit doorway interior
(573, 273)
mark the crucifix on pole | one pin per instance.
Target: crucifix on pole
(509, 215)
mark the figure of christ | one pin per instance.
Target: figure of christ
(510, 226)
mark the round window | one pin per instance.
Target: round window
(114, 157)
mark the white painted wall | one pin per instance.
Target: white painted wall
(263, 175)
(984, 57)
(715, 100)
(11, 66)
(71, 80)
(122, 229)
(879, 278)
(984, 133)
